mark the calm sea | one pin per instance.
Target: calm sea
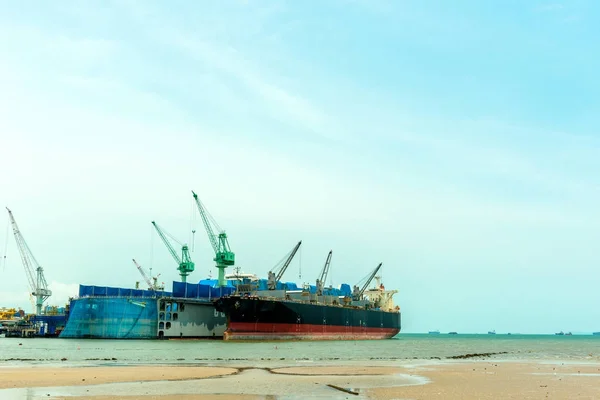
(15, 352)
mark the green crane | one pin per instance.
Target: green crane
(224, 257)
(186, 265)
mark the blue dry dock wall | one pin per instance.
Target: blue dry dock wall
(113, 313)
(200, 291)
(105, 291)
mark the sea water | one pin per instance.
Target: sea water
(15, 351)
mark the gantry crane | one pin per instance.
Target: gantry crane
(185, 263)
(273, 277)
(323, 277)
(224, 257)
(37, 280)
(357, 292)
(152, 284)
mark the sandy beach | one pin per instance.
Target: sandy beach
(425, 380)
(70, 376)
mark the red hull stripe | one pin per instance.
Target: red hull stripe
(258, 331)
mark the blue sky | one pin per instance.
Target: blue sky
(458, 144)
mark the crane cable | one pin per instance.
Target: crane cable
(300, 264)
(152, 246)
(5, 246)
(192, 239)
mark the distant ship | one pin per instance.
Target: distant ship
(561, 333)
(491, 332)
(568, 334)
(596, 333)
(438, 332)
(452, 333)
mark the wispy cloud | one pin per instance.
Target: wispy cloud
(550, 7)
(279, 102)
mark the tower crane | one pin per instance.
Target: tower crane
(185, 263)
(224, 257)
(273, 277)
(323, 277)
(152, 284)
(33, 270)
(358, 293)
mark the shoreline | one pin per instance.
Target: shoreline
(412, 379)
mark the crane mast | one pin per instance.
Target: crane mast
(185, 263)
(358, 293)
(224, 257)
(323, 277)
(274, 278)
(33, 270)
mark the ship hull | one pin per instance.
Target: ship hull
(264, 319)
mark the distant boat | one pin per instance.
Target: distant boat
(596, 333)
(452, 333)
(491, 332)
(434, 332)
(568, 334)
(561, 333)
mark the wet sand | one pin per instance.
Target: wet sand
(499, 380)
(420, 380)
(71, 376)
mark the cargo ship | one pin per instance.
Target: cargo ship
(311, 315)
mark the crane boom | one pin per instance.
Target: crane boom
(185, 263)
(143, 273)
(37, 280)
(323, 277)
(224, 257)
(274, 278)
(167, 243)
(358, 293)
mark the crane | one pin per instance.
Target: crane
(273, 277)
(358, 293)
(186, 265)
(152, 284)
(224, 257)
(33, 270)
(323, 277)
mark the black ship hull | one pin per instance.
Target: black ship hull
(252, 318)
